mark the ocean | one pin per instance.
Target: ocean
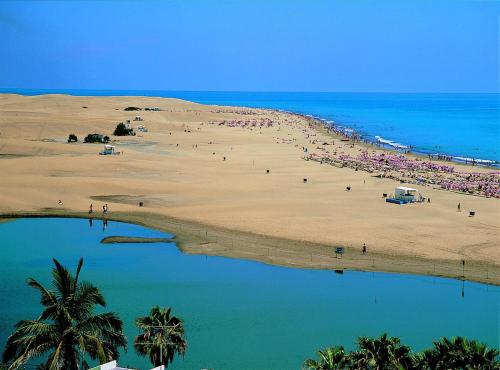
(462, 125)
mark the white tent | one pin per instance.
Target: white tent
(406, 194)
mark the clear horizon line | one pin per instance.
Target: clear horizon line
(2, 89)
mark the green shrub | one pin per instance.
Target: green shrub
(122, 130)
(95, 138)
(132, 108)
(72, 138)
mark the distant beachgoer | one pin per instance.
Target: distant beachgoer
(103, 209)
(90, 209)
(224, 159)
(428, 200)
(107, 208)
(458, 208)
(364, 248)
(60, 202)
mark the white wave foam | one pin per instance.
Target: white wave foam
(466, 159)
(390, 143)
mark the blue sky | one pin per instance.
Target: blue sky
(253, 45)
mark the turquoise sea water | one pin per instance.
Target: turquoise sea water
(238, 314)
(461, 125)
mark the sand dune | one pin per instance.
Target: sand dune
(173, 179)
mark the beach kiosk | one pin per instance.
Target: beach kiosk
(109, 150)
(403, 195)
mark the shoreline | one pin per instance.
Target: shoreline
(198, 238)
(118, 239)
(364, 138)
(367, 142)
(264, 203)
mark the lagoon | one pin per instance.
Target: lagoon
(238, 314)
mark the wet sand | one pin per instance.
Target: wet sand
(135, 240)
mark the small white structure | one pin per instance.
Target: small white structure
(113, 366)
(109, 150)
(142, 128)
(109, 366)
(408, 195)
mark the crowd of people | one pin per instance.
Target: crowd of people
(415, 171)
(394, 165)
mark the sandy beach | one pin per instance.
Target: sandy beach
(207, 181)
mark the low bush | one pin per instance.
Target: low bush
(122, 130)
(96, 138)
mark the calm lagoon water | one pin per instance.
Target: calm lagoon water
(462, 125)
(238, 314)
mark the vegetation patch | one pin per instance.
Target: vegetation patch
(96, 138)
(123, 130)
(72, 329)
(388, 353)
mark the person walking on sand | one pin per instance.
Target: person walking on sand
(90, 208)
(364, 248)
(458, 208)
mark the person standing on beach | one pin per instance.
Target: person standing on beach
(458, 208)
(364, 248)
(90, 208)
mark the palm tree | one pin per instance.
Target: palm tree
(459, 353)
(333, 358)
(67, 329)
(162, 336)
(381, 353)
